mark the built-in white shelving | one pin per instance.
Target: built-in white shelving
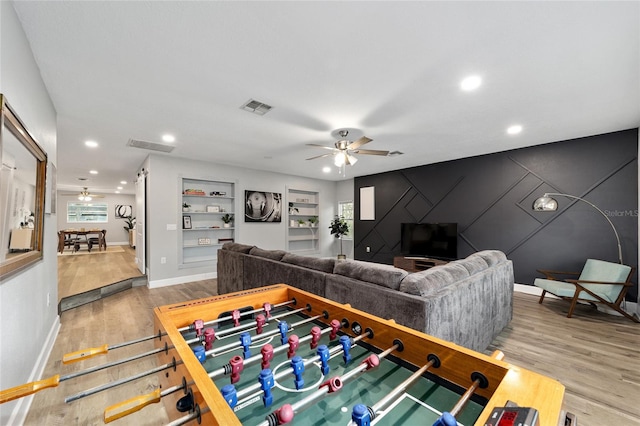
(303, 208)
(203, 228)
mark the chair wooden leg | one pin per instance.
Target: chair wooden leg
(542, 296)
(619, 309)
(574, 302)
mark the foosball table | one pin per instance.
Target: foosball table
(277, 355)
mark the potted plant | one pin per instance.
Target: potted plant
(227, 219)
(130, 224)
(185, 207)
(339, 227)
(313, 220)
(301, 222)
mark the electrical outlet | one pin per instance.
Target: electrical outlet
(368, 249)
(163, 260)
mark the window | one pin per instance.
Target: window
(87, 212)
(345, 210)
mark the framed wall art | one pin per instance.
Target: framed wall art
(262, 206)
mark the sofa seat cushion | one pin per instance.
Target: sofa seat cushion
(425, 283)
(269, 254)
(316, 263)
(240, 248)
(376, 273)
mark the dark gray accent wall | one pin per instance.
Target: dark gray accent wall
(490, 198)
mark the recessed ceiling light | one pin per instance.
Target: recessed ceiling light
(93, 172)
(326, 169)
(515, 129)
(119, 187)
(117, 192)
(91, 144)
(123, 182)
(471, 83)
(168, 138)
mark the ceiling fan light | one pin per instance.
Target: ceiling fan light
(351, 160)
(87, 198)
(340, 159)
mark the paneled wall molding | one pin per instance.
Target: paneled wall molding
(490, 198)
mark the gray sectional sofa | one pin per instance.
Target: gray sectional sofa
(467, 301)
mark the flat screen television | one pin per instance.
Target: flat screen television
(437, 240)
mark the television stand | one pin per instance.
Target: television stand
(416, 263)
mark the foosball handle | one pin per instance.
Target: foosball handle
(131, 405)
(84, 354)
(28, 389)
(446, 419)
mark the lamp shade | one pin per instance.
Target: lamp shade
(545, 204)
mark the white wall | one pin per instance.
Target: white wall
(114, 227)
(344, 192)
(27, 322)
(164, 200)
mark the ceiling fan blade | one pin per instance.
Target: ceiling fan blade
(371, 152)
(355, 144)
(320, 146)
(319, 156)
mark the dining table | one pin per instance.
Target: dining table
(81, 236)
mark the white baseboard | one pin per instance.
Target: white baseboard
(21, 409)
(629, 307)
(182, 280)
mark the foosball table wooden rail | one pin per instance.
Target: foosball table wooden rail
(501, 382)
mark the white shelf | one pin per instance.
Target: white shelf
(205, 224)
(302, 204)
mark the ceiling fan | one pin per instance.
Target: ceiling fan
(85, 195)
(344, 150)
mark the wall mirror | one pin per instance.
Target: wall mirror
(22, 192)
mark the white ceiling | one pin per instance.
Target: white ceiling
(121, 70)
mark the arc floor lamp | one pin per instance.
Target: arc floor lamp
(548, 204)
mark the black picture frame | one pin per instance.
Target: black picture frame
(186, 222)
(261, 206)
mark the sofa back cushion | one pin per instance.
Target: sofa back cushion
(276, 255)
(375, 273)
(316, 263)
(425, 283)
(241, 248)
(492, 257)
(473, 264)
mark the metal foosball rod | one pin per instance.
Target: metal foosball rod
(239, 364)
(195, 415)
(248, 327)
(231, 346)
(124, 408)
(286, 413)
(362, 415)
(53, 381)
(104, 349)
(122, 381)
(134, 404)
(250, 390)
(479, 380)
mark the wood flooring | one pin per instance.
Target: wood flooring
(79, 273)
(595, 355)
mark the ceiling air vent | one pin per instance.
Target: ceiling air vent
(151, 146)
(395, 153)
(256, 107)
